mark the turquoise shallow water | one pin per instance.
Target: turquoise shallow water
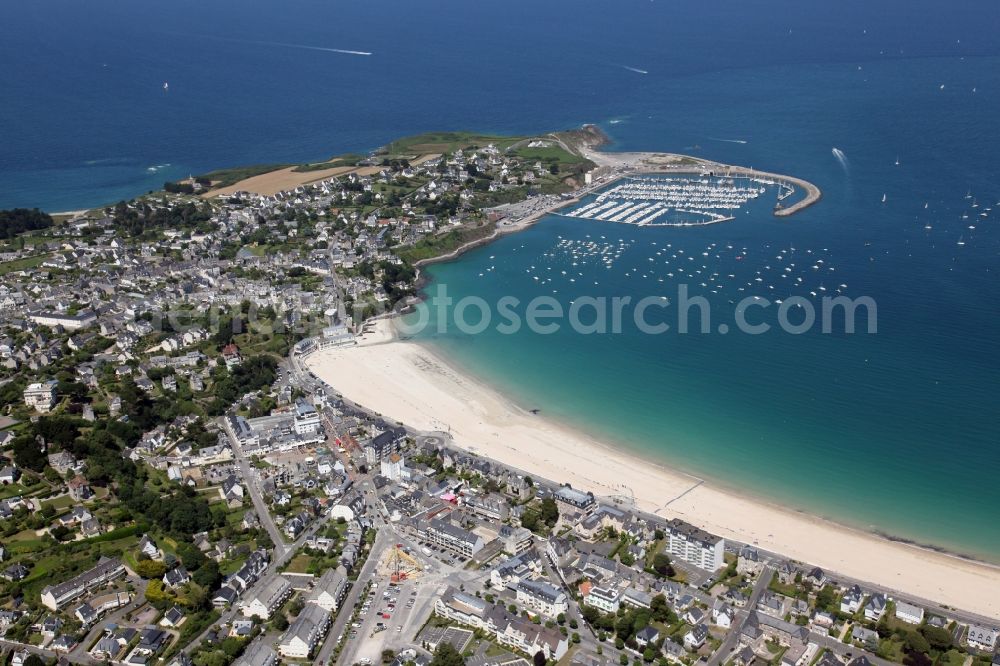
(894, 431)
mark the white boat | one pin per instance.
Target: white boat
(883, 198)
(166, 86)
(961, 240)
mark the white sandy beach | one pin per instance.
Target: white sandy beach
(406, 382)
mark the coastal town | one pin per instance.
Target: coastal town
(180, 487)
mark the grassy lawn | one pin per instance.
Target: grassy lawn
(548, 155)
(299, 563)
(448, 142)
(61, 502)
(229, 567)
(891, 649)
(22, 264)
(787, 590)
(235, 516)
(351, 159)
(14, 489)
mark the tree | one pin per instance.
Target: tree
(19, 220)
(279, 622)
(192, 558)
(155, 593)
(33, 660)
(28, 454)
(916, 642)
(150, 568)
(447, 655)
(208, 576)
(826, 597)
(550, 512)
(662, 566)
(939, 638)
(660, 608)
(539, 658)
(60, 532)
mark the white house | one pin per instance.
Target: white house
(605, 599)
(695, 638)
(981, 637)
(909, 613)
(41, 396)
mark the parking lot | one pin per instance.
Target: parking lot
(389, 613)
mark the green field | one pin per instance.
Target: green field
(22, 264)
(447, 142)
(350, 159)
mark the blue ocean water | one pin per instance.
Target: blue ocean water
(894, 431)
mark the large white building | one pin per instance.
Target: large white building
(329, 590)
(542, 597)
(695, 546)
(392, 466)
(306, 419)
(41, 396)
(57, 596)
(305, 633)
(83, 319)
(267, 600)
(454, 538)
(606, 599)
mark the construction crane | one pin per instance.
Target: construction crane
(402, 565)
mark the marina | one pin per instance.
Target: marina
(660, 201)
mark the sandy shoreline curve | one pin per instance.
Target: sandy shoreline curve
(407, 382)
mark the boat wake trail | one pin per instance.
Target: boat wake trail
(316, 48)
(712, 138)
(842, 158)
(634, 69)
(287, 45)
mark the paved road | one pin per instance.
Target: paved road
(823, 639)
(79, 654)
(252, 480)
(278, 561)
(42, 652)
(383, 540)
(733, 637)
